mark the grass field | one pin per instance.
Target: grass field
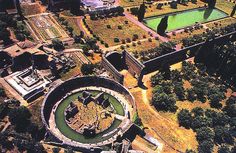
(72, 22)
(141, 46)
(127, 29)
(32, 9)
(221, 23)
(225, 6)
(126, 3)
(179, 36)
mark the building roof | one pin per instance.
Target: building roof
(23, 47)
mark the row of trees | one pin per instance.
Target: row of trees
(162, 49)
(114, 11)
(209, 34)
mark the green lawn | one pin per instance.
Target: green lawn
(187, 18)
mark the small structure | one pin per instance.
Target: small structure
(101, 100)
(71, 111)
(86, 98)
(28, 83)
(89, 131)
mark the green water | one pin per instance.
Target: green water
(73, 135)
(186, 18)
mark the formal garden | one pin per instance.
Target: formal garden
(46, 28)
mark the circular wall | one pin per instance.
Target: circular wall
(58, 94)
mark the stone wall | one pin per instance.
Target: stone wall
(134, 66)
(131, 63)
(112, 70)
(183, 54)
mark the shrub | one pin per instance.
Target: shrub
(134, 44)
(150, 39)
(126, 22)
(109, 26)
(106, 45)
(123, 41)
(122, 47)
(116, 40)
(135, 36)
(159, 6)
(134, 11)
(128, 40)
(87, 69)
(119, 27)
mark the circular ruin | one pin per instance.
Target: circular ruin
(88, 112)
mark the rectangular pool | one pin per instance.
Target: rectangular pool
(186, 18)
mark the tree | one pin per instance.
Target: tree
(201, 121)
(87, 69)
(179, 90)
(198, 111)
(141, 12)
(20, 117)
(223, 135)
(165, 71)
(137, 120)
(157, 79)
(164, 102)
(190, 151)
(74, 6)
(206, 146)
(18, 7)
(191, 95)
(159, 6)
(211, 4)
(57, 44)
(215, 97)
(230, 107)
(2, 92)
(224, 149)
(162, 26)
(4, 35)
(185, 118)
(233, 11)
(205, 133)
(176, 76)
(173, 5)
(56, 150)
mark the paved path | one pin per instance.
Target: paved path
(6, 126)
